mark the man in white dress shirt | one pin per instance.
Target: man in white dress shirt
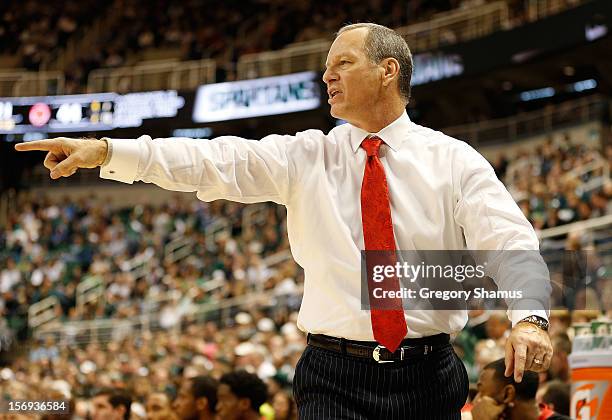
(442, 195)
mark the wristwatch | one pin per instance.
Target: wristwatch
(538, 321)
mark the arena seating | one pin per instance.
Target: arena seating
(78, 40)
(211, 287)
(33, 32)
(97, 294)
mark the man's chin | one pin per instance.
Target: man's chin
(336, 112)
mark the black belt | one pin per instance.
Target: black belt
(410, 347)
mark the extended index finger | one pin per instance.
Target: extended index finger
(520, 358)
(44, 145)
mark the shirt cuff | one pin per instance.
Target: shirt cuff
(517, 315)
(122, 160)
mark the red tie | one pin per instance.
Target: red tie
(388, 322)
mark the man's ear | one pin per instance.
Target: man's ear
(508, 394)
(391, 69)
(201, 404)
(244, 404)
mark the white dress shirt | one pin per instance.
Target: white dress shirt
(444, 196)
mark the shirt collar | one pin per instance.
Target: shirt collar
(392, 135)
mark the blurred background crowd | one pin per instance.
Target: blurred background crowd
(49, 245)
(181, 309)
(32, 32)
(549, 186)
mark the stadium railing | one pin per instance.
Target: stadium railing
(138, 265)
(595, 238)
(91, 289)
(104, 330)
(595, 225)
(505, 130)
(593, 167)
(302, 56)
(539, 9)
(447, 27)
(458, 25)
(181, 247)
(178, 249)
(219, 228)
(442, 29)
(154, 75)
(44, 311)
(597, 230)
(19, 82)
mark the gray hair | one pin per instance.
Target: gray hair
(382, 42)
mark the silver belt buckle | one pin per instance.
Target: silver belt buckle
(376, 355)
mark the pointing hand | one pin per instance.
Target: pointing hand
(66, 155)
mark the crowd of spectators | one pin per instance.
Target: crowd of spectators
(50, 245)
(200, 29)
(196, 29)
(558, 182)
(164, 374)
(35, 30)
(241, 361)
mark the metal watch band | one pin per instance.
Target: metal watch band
(537, 321)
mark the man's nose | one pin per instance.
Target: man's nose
(328, 76)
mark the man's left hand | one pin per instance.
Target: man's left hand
(528, 348)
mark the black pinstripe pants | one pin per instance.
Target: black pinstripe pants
(329, 385)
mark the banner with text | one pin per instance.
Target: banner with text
(257, 97)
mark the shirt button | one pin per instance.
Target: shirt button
(112, 172)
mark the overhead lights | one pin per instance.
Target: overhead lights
(547, 92)
(595, 31)
(583, 85)
(532, 95)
